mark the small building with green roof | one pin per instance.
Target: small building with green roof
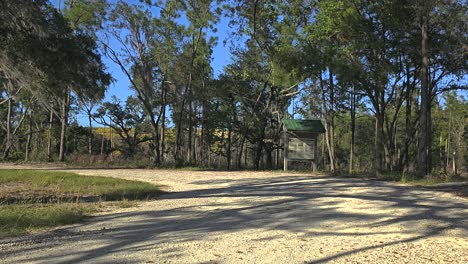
(300, 140)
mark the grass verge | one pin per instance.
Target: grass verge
(18, 219)
(32, 186)
(32, 200)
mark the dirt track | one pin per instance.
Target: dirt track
(260, 217)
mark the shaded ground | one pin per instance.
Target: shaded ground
(261, 217)
(460, 190)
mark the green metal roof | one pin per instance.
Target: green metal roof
(315, 126)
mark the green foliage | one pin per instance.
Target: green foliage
(126, 119)
(86, 14)
(43, 54)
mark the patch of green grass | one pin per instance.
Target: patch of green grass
(35, 185)
(32, 200)
(19, 219)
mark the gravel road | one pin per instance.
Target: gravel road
(260, 217)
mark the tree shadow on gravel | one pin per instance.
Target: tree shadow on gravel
(287, 203)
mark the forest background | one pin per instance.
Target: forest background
(206, 83)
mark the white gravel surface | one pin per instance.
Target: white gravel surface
(260, 217)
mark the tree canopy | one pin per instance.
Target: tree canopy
(382, 76)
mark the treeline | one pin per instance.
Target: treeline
(383, 76)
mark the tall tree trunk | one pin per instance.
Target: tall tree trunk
(203, 157)
(408, 124)
(190, 131)
(327, 104)
(331, 125)
(90, 136)
(163, 134)
(239, 152)
(8, 129)
(228, 156)
(102, 145)
(353, 129)
(379, 144)
(177, 154)
(259, 148)
(322, 153)
(154, 121)
(49, 134)
(246, 154)
(277, 157)
(156, 150)
(38, 141)
(178, 142)
(28, 138)
(163, 122)
(448, 147)
(64, 123)
(111, 141)
(269, 158)
(195, 42)
(425, 132)
(429, 132)
(460, 137)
